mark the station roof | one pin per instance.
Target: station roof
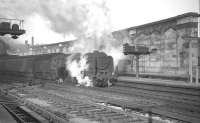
(55, 44)
(171, 19)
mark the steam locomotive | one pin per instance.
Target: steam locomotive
(52, 67)
(100, 68)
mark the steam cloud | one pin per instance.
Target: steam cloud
(86, 20)
(66, 17)
(9, 45)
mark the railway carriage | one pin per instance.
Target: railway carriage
(53, 67)
(45, 66)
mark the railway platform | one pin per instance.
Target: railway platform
(164, 82)
(165, 76)
(181, 98)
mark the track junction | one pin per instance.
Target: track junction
(125, 101)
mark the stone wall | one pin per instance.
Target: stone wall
(3, 47)
(61, 47)
(174, 49)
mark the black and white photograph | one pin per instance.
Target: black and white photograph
(99, 61)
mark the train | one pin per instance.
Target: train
(100, 68)
(52, 67)
(44, 66)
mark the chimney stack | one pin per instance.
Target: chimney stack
(32, 41)
(26, 43)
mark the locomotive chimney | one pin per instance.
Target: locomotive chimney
(26, 43)
(32, 41)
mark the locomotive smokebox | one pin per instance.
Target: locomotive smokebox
(100, 68)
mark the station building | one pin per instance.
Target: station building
(176, 42)
(31, 49)
(174, 38)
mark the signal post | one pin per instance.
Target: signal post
(137, 50)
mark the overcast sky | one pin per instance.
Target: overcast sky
(126, 13)
(52, 21)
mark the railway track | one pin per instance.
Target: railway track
(162, 104)
(20, 113)
(181, 101)
(75, 107)
(70, 107)
(110, 98)
(174, 102)
(187, 97)
(176, 106)
(176, 92)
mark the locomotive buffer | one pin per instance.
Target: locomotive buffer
(137, 50)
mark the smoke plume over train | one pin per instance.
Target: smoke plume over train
(50, 21)
(57, 18)
(8, 45)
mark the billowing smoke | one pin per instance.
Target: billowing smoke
(65, 16)
(3, 47)
(8, 45)
(77, 67)
(60, 18)
(86, 20)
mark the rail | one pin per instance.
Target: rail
(18, 112)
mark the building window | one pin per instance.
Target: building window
(57, 50)
(64, 50)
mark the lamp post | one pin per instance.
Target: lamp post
(190, 38)
(132, 33)
(198, 35)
